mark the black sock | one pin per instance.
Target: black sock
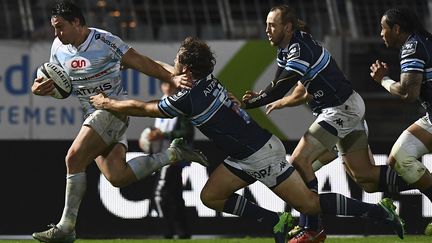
(240, 206)
(310, 222)
(337, 204)
(390, 181)
(428, 193)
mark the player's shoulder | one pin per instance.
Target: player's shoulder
(179, 95)
(411, 47)
(102, 35)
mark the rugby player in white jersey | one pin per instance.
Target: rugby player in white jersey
(92, 58)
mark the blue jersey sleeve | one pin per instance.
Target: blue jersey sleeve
(298, 59)
(177, 104)
(412, 57)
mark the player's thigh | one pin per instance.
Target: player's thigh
(422, 131)
(221, 184)
(307, 150)
(294, 191)
(85, 147)
(113, 159)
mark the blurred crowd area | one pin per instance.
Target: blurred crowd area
(350, 29)
(171, 20)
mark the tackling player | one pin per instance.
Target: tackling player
(254, 153)
(401, 29)
(92, 58)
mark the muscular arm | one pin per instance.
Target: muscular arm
(297, 97)
(409, 86)
(132, 59)
(273, 92)
(407, 89)
(127, 107)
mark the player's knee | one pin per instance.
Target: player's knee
(72, 160)
(207, 197)
(408, 167)
(117, 180)
(365, 181)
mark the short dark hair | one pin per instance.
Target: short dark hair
(407, 20)
(69, 11)
(197, 56)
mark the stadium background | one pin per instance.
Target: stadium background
(35, 132)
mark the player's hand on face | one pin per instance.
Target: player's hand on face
(182, 81)
(43, 88)
(378, 70)
(97, 101)
(249, 95)
(273, 106)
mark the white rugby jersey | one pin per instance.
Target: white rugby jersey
(94, 65)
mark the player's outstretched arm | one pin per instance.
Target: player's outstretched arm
(128, 107)
(144, 64)
(297, 97)
(407, 89)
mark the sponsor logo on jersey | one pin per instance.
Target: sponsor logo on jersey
(78, 63)
(93, 90)
(179, 94)
(293, 52)
(115, 48)
(408, 49)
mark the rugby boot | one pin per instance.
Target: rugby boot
(309, 236)
(428, 230)
(294, 231)
(54, 235)
(393, 219)
(182, 152)
(280, 230)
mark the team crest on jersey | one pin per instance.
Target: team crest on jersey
(293, 51)
(179, 94)
(408, 49)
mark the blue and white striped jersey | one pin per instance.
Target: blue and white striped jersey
(209, 108)
(94, 65)
(416, 56)
(320, 74)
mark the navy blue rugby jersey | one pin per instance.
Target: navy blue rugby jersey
(208, 107)
(416, 56)
(320, 74)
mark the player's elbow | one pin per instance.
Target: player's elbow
(409, 97)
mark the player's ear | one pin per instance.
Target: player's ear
(396, 28)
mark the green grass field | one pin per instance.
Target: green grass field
(375, 239)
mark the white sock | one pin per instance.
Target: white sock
(76, 185)
(316, 165)
(143, 166)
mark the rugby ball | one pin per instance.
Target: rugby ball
(62, 82)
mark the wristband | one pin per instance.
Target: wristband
(387, 82)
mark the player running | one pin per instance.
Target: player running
(254, 153)
(92, 58)
(401, 29)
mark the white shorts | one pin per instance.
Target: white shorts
(345, 118)
(109, 126)
(425, 123)
(268, 165)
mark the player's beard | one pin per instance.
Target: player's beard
(277, 41)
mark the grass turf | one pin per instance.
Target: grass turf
(371, 239)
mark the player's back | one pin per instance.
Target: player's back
(209, 108)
